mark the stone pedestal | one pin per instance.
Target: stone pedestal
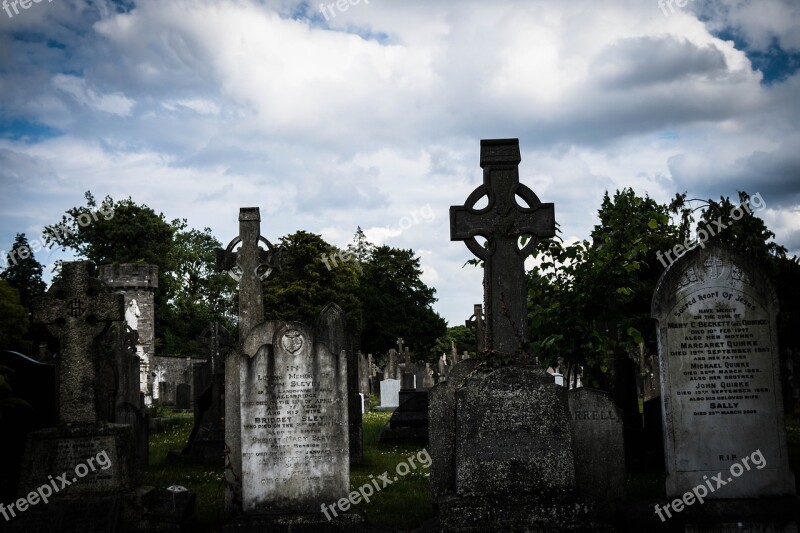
(511, 467)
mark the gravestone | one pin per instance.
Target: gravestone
(76, 310)
(475, 323)
(182, 397)
(206, 443)
(506, 459)
(444, 368)
(249, 266)
(720, 386)
(31, 382)
(390, 393)
(598, 448)
(427, 380)
(295, 434)
(391, 371)
(419, 375)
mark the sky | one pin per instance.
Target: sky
(370, 113)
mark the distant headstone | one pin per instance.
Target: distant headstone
(183, 397)
(475, 323)
(427, 381)
(444, 368)
(598, 448)
(390, 393)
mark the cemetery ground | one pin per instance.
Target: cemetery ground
(405, 505)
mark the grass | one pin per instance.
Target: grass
(404, 504)
(205, 481)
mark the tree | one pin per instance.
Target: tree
(13, 319)
(189, 293)
(305, 282)
(587, 302)
(24, 272)
(462, 336)
(397, 303)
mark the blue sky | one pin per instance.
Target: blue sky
(370, 115)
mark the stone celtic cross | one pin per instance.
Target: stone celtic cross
(502, 222)
(255, 265)
(77, 309)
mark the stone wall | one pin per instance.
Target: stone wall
(172, 371)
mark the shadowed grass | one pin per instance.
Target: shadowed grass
(205, 481)
(406, 502)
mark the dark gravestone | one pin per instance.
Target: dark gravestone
(598, 449)
(475, 323)
(720, 389)
(206, 443)
(511, 460)
(183, 396)
(503, 222)
(33, 383)
(249, 265)
(77, 309)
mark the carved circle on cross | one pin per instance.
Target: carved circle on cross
(500, 215)
(271, 252)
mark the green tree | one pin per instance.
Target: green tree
(189, 292)
(462, 336)
(13, 319)
(397, 303)
(23, 271)
(587, 302)
(304, 284)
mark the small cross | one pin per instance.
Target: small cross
(400, 343)
(502, 222)
(77, 309)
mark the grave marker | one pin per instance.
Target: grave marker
(502, 222)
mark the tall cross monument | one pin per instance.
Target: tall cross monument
(249, 265)
(502, 222)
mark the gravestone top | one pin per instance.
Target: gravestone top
(218, 340)
(77, 309)
(502, 222)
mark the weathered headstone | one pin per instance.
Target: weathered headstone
(77, 309)
(444, 368)
(506, 460)
(182, 397)
(475, 323)
(427, 380)
(249, 265)
(295, 435)
(598, 448)
(720, 385)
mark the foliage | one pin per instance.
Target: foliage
(588, 301)
(463, 337)
(13, 319)
(397, 303)
(303, 285)
(24, 272)
(189, 293)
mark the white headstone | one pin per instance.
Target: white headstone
(390, 393)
